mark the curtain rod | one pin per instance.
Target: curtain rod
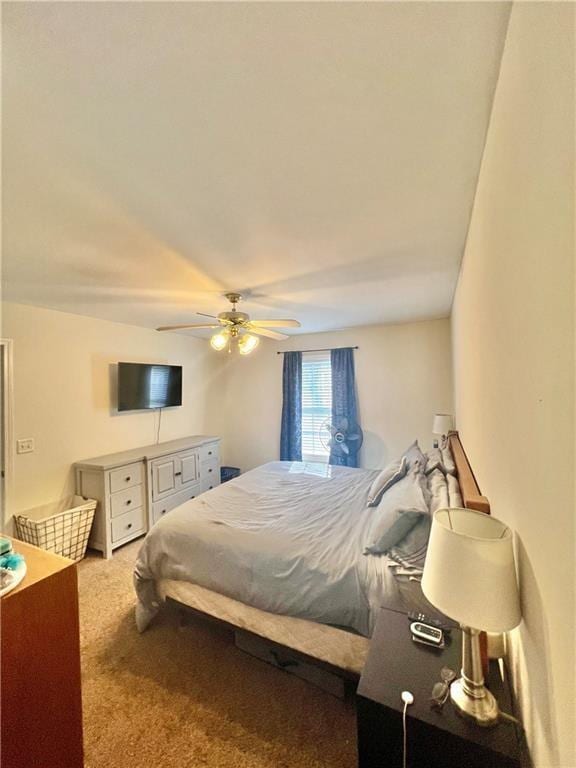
(327, 349)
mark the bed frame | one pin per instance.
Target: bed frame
(292, 641)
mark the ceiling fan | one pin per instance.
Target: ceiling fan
(234, 326)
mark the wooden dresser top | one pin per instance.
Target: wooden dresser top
(39, 565)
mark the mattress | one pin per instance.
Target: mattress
(286, 538)
(336, 647)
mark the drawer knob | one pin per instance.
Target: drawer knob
(192, 497)
(210, 487)
(129, 525)
(128, 502)
(177, 473)
(163, 512)
(209, 453)
(128, 479)
(209, 470)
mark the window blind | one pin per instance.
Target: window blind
(159, 381)
(316, 403)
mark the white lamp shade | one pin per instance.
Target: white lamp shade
(442, 424)
(220, 341)
(469, 572)
(247, 343)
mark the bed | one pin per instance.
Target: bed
(279, 554)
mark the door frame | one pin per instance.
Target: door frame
(7, 428)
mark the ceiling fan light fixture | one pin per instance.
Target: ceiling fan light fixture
(236, 329)
(247, 343)
(219, 341)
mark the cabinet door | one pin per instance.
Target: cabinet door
(188, 467)
(164, 476)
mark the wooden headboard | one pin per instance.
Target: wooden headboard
(471, 496)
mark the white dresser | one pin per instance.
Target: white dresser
(135, 488)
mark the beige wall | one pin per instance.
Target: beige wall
(513, 336)
(63, 393)
(64, 387)
(403, 375)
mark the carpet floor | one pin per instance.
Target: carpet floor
(181, 697)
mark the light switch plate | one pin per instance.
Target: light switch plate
(25, 446)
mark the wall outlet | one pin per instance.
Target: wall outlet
(25, 446)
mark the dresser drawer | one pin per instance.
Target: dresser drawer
(210, 474)
(209, 482)
(123, 501)
(128, 523)
(209, 452)
(125, 477)
(210, 470)
(160, 508)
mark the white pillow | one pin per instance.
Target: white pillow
(454, 495)
(438, 489)
(448, 461)
(391, 474)
(440, 458)
(434, 461)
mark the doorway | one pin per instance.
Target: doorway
(6, 458)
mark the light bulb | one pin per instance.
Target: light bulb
(219, 341)
(247, 344)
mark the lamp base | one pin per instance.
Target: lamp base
(481, 707)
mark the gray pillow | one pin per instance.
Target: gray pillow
(399, 511)
(412, 549)
(391, 474)
(415, 457)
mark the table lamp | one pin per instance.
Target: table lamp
(469, 575)
(442, 424)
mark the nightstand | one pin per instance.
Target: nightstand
(436, 738)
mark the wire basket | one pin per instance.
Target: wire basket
(62, 527)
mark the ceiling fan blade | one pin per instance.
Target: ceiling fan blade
(265, 332)
(204, 314)
(275, 323)
(187, 325)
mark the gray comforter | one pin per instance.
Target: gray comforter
(286, 538)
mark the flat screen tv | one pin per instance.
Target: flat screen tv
(148, 386)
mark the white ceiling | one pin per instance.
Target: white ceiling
(322, 157)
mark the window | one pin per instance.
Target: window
(316, 404)
(159, 383)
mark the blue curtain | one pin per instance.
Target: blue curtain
(291, 434)
(344, 399)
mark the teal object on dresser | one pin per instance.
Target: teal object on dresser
(5, 545)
